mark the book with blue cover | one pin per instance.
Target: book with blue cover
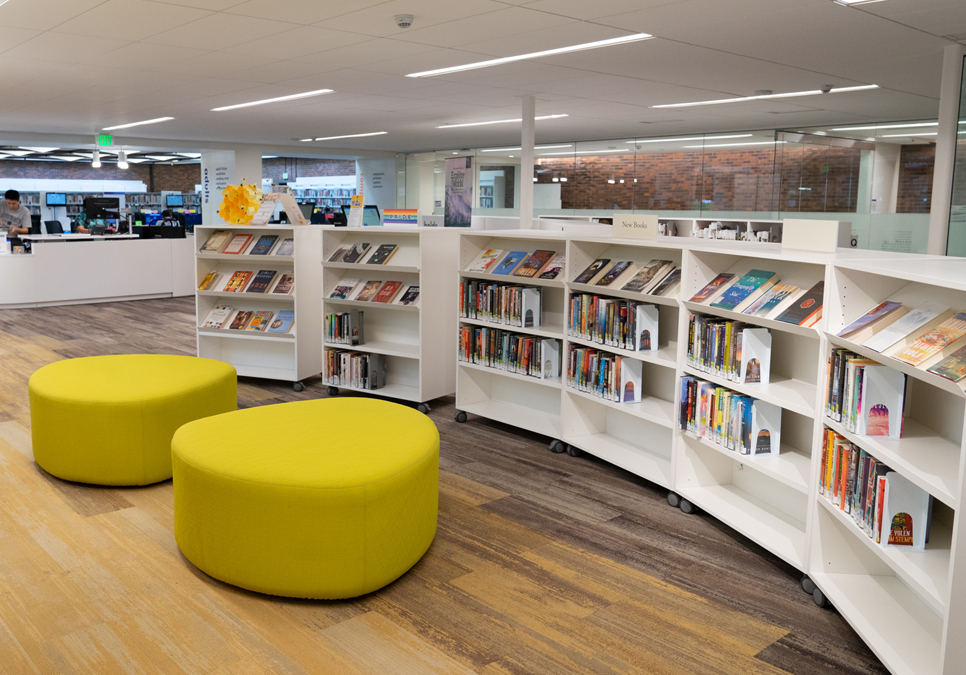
(510, 262)
(742, 288)
(264, 244)
(282, 322)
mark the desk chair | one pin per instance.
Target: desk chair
(53, 227)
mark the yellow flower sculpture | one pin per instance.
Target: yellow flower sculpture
(240, 204)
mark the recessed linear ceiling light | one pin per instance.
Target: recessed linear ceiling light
(690, 138)
(290, 97)
(191, 155)
(732, 145)
(915, 135)
(536, 147)
(18, 153)
(138, 124)
(584, 152)
(67, 158)
(479, 124)
(41, 150)
(888, 126)
(162, 158)
(269, 156)
(849, 3)
(332, 138)
(792, 94)
(535, 55)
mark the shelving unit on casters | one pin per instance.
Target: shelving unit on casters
(411, 337)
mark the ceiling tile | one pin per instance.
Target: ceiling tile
(301, 41)
(219, 31)
(378, 20)
(585, 11)
(43, 15)
(512, 21)
(216, 64)
(130, 19)
(63, 48)
(141, 57)
(301, 11)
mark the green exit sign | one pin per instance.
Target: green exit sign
(105, 139)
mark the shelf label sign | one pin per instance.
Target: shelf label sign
(432, 221)
(105, 139)
(630, 226)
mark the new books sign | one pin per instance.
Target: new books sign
(635, 226)
(459, 192)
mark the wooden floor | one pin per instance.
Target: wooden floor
(543, 563)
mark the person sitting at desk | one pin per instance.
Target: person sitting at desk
(14, 218)
(168, 219)
(79, 224)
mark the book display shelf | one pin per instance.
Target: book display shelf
(908, 605)
(291, 355)
(409, 336)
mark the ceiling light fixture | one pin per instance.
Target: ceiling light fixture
(122, 160)
(689, 138)
(536, 147)
(96, 160)
(535, 55)
(18, 153)
(910, 135)
(138, 124)
(269, 156)
(291, 97)
(480, 124)
(40, 150)
(583, 152)
(162, 158)
(332, 138)
(732, 145)
(743, 99)
(887, 126)
(192, 155)
(849, 3)
(563, 179)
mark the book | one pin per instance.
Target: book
(877, 313)
(210, 280)
(713, 287)
(554, 267)
(238, 244)
(647, 276)
(285, 284)
(409, 297)
(215, 241)
(217, 316)
(592, 271)
(953, 367)
(339, 254)
(756, 295)
(806, 307)
(237, 282)
(260, 321)
(933, 341)
(881, 401)
(915, 319)
(282, 321)
(755, 348)
(382, 254)
(907, 513)
(367, 291)
(742, 288)
(617, 270)
(286, 247)
(769, 300)
(534, 264)
(669, 284)
(355, 253)
(262, 281)
(343, 288)
(264, 244)
(485, 260)
(241, 320)
(388, 291)
(509, 262)
(631, 371)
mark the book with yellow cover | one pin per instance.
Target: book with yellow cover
(210, 279)
(933, 341)
(237, 282)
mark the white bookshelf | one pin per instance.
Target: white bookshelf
(909, 606)
(290, 357)
(411, 337)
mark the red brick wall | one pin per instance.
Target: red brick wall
(274, 168)
(181, 178)
(916, 164)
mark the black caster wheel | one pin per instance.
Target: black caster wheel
(423, 408)
(460, 416)
(558, 447)
(574, 452)
(686, 506)
(332, 391)
(674, 499)
(820, 599)
(808, 586)
(298, 386)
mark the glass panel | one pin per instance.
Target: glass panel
(668, 174)
(738, 172)
(956, 244)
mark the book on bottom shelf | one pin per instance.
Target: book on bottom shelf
(345, 328)
(743, 424)
(355, 369)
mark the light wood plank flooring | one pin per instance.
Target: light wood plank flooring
(543, 563)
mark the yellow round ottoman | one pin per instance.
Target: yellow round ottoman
(108, 420)
(319, 499)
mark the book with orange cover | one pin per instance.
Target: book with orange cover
(238, 244)
(388, 291)
(237, 282)
(934, 341)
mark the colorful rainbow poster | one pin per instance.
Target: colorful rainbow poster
(400, 217)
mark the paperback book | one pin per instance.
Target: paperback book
(339, 254)
(595, 268)
(770, 300)
(649, 276)
(286, 248)
(409, 297)
(554, 268)
(285, 285)
(343, 288)
(237, 282)
(238, 244)
(355, 253)
(217, 316)
(382, 254)
(215, 241)
(388, 291)
(260, 321)
(742, 288)
(871, 318)
(264, 244)
(807, 308)
(367, 291)
(262, 281)
(485, 260)
(509, 262)
(669, 284)
(282, 322)
(532, 266)
(616, 270)
(241, 320)
(953, 367)
(912, 321)
(713, 287)
(210, 280)
(934, 341)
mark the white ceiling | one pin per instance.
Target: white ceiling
(76, 66)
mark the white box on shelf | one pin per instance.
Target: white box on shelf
(530, 307)
(766, 428)
(550, 355)
(882, 401)
(647, 326)
(755, 356)
(631, 373)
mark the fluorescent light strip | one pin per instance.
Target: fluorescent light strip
(915, 135)
(535, 55)
(584, 152)
(480, 124)
(732, 145)
(291, 97)
(332, 138)
(690, 138)
(850, 3)
(888, 126)
(40, 150)
(536, 147)
(138, 124)
(813, 92)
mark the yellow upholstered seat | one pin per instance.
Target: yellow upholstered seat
(314, 499)
(109, 420)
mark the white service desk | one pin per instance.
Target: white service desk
(74, 270)
(77, 237)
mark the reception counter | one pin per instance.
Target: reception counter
(69, 270)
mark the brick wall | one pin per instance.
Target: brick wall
(274, 168)
(916, 164)
(159, 177)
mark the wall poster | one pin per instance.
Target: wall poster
(459, 192)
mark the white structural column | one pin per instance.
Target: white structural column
(942, 181)
(219, 168)
(526, 162)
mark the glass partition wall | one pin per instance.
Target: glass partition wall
(956, 242)
(878, 177)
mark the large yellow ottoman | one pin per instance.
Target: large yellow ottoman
(108, 420)
(314, 499)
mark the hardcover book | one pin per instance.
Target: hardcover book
(532, 265)
(409, 297)
(217, 316)
(953, 367)
(912, 321)
(773, 297)
(285, 284)
(934, 341)
(282, 322)
(262, 281)
(287, 247)
(614, 272)
(264, 244)
(742, 288)
(388, 291)
(355, 253)
(669, 284)
(554, 267)
(210, 279)
(339, 254)
(343, 288)
(237, 282)
(382, 254)
(217, 239)
(806, 307)
(367, 291)
(260, 321)
(646, 277)
(713, 287)
(510, 262)
(878, 312)
(238, 244)
(241, 320)
(595, 268)
(485, 260)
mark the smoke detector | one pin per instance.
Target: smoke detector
(404, 20)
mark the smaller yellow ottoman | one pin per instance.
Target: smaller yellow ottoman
(108, 420)
(320, 499)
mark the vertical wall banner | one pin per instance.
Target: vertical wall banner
(217, 172)
(459, 192)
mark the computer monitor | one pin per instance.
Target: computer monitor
(307, 210)
(53, 227)
(370, 215)
(174, 200)
(56, 199)
(102, 207)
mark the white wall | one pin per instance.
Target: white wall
(380, 181)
